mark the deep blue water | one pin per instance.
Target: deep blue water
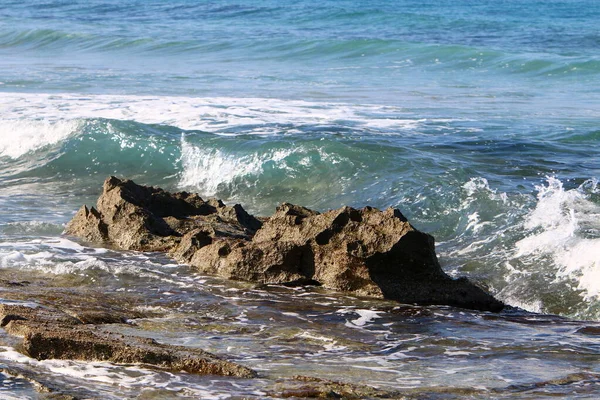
(478, 119)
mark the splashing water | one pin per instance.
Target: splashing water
(565, 227)
(19, 137)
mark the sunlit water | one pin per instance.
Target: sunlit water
(478, 121)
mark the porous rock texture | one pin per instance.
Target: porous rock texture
(133, 217)
(50, 333)
(363, 251)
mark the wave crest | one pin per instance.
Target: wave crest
(19, 137)
(565, 227)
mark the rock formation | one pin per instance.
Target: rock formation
(49, 333)
(365, 251)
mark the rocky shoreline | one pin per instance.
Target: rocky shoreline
(45, 318)
(75, 324)
(366, 252)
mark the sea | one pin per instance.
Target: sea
(479, 120)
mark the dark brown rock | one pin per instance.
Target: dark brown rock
(317, 388)
(49, 333)
(133, 217)
(590, 330)
(81, 343)
(33, 312)
(367, 252)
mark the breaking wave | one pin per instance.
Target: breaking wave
(563, 237)
(533, 244)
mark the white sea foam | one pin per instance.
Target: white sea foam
(365, 317)
(61, 256)
(216, 114)
(102, 372)
(8, 396)
(486, 219)
(454, 353)
(210, 168)
(329, 344)
(535, 306)
(105, 376)
(29, 304)
(19, 137)
(565, 226)
(478, 185)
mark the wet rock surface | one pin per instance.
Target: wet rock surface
(133, 217)
(365, 251)
(43, 318)
(47, 389)
(310, 387)
(59, 326)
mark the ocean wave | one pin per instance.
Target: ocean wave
(363, 52)
(535, 251)
(259, 151)
(261, 174)
(66, 151)
(19, 137)
(53, 39)
(214, 114)
(209, 170)
(539, 253)
(565, 226)
(545, 257)
(31, 228)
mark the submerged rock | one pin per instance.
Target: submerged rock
(305, 387)
(50, 333)
(363, 251)
(47, 388)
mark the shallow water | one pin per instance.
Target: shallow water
(478, 121)
(436, 352)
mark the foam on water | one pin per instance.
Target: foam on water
(482, 216)
(536, 252)
(103, 373)
(208, 168)
(215, 114)
(19, 137)
(211, 169)
(329, 344)
(60, 256)
(29, 304)
(365, 317)
(565, 226)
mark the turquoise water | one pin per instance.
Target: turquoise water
(478, 119)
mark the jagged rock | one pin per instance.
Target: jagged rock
(367, 252)
(133, 217)
(56, 342)
(49, 333)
